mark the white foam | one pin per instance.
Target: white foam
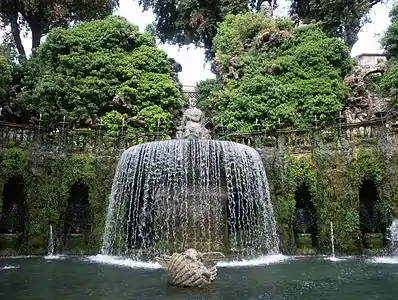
(135, 264)
(7, 267)
(54, 257)
(19, 256)
(384, 260)
(123, 262)
(259, 261)
(335, 259)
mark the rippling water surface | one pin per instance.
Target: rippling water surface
(274, 277)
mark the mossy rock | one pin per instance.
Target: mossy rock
(373, 241)
(304, 240)
(306, 251)
(37, 245)
(373, 252)
(76, 244)
(9, 244)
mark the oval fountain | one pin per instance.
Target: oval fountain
(190, 192)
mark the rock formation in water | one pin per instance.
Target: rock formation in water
(190, 268)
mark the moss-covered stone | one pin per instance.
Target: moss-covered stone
(304, 240)
(333, 168)
(334, 171)
(373, 241)
(9, 244)
(47, 186)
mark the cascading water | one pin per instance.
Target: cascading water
(393, 238)
(50, 247)
(171, 195)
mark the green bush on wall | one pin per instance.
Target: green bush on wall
(47, 194)
(334, 189)
(300, 171)
(338, 195)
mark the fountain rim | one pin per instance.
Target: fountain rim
(199, 141)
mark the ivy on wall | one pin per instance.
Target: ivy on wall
(47, 194)
(334, 185)
(300, 170)
(333, 181)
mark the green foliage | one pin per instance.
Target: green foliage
(14, 163)
(47, 194)
(204, 89)
(300, 171)
(278, 72)
(5, 76)
(334, 187)
(194, 22)
(112, 122)
(390, 38)
(366, 166)
(40, 17)
(340, 18)
(78, 71)
(389, 81)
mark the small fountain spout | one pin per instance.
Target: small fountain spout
(332, 238)
(50, 248)
(393, 238)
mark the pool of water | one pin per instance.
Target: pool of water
(104, 278)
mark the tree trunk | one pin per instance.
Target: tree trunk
(16, 35)
(36, 35)
(351, 36)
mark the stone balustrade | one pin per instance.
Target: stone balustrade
(95, 140)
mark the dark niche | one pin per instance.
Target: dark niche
(13, 212)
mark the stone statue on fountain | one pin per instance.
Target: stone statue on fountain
(192, 126)
(190, 268)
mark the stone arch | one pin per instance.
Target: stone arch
(372, 215)
(77, 216)
(304, 218)
(13, 210)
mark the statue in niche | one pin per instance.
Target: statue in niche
(190, 268)
(192, 123)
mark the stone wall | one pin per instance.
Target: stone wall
(330, 163)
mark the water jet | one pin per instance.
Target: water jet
(190, 193)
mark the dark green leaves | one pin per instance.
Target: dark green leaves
(285, 73)
(78, 71)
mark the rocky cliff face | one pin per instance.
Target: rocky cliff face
(365, 102)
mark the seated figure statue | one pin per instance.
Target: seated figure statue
(192, 123)
(190, 268)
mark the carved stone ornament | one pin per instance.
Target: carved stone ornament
(190, 268)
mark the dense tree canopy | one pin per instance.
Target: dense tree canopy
(340, 18)
(90, 69)
(40, 16)
(272, 70)
(195, 21)
(5, 76)
(389, 82)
